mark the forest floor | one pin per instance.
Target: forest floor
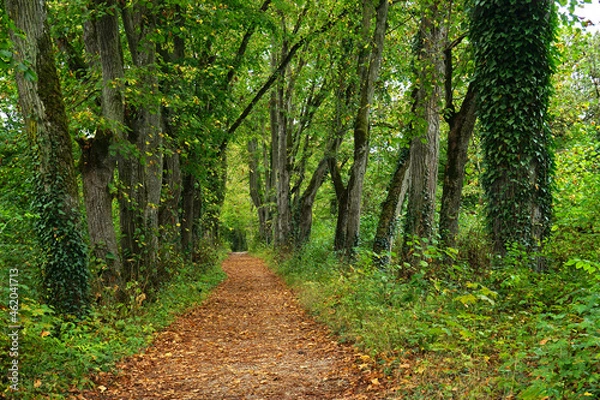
(250, 340)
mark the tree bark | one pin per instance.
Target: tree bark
(258, 192)
(214, 196)
(459, 136)
(168, 215)
(513, 100)
(303, 213)
(424, 148)
(65, 266)
(369, 63)
(388, 219)
(98, 165)
(187, 218)
(141, 173)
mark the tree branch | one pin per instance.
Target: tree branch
(280, 69)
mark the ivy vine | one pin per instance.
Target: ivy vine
(514, 58)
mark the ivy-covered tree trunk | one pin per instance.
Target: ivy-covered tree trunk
(514, 64)
(140, 168)
(65, 263)
(424, 148)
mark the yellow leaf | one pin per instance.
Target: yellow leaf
(375, 381)
(45, 333)
(102, 389)
(37, 384)
(543, 342)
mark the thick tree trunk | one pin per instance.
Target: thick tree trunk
(168, 215)
(461, 131)
(424, 148)
(279, 107)
(59, 228)
(97, 173)
(98, 165)
(392, 205)
(341, 195)
(513, 98)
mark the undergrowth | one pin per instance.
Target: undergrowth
(457, 329)
(58, 355)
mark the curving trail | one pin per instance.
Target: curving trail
(249, 340)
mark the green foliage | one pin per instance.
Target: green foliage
(64, 255)
(514, 62)
(456, 327)
(58, 354)
(568, 357)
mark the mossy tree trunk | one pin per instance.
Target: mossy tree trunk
(388, 219)
(65, 264)
(102, 40)
(369, 61)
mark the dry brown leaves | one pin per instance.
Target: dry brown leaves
(250, 340)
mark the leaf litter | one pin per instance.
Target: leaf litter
(250, 340)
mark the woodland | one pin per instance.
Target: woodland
(424, 175)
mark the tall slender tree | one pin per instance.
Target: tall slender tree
(461, 125)
(369, 62)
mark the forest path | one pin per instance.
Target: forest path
(250, 340)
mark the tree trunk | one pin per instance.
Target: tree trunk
(369, 72)
(59, 228)
(303, 214)
(187, 218)
(279, 107)
(461, 131)
(258, 193)
(168, 215)
(141, 174)
(214, 196)
(392, 205)
(424, 148)
(513, 98)
(98, 165)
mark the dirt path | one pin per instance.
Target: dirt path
(250, 340)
